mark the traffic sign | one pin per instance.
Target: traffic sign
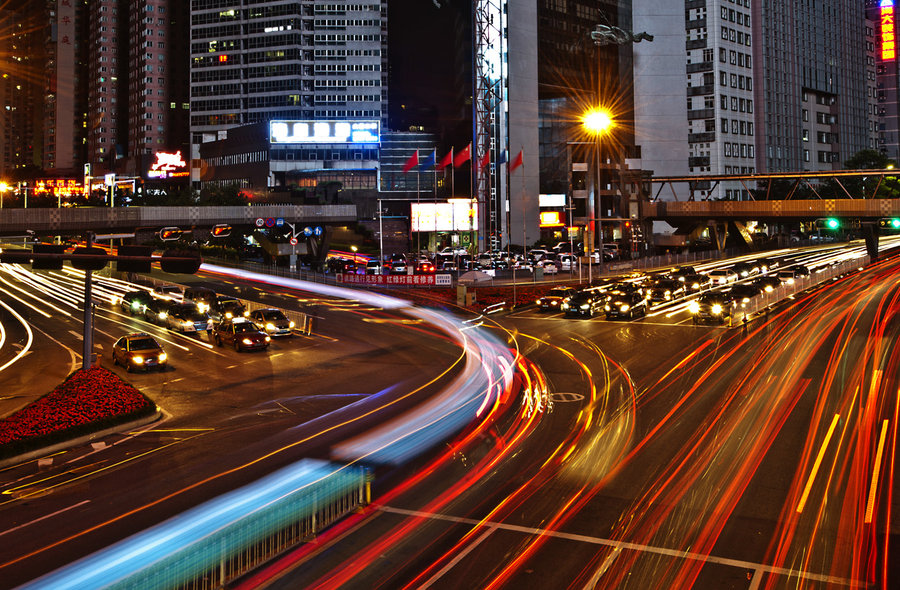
(270, 222)
(317, 230)
(307, 231)
(293, 241)
(260, 222)
(279, 221)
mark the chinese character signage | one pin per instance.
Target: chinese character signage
(423, 280)
(888, 43)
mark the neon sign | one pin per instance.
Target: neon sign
(551, 219)
(888, 43)
(324, 131)
(168, 165)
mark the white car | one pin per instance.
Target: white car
(567, 262)
(722, 276)
(168, 293)
(549, 267)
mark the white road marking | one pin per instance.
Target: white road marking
(619, 545)
(459, 557)
(46, 516)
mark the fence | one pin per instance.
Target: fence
(224, 538)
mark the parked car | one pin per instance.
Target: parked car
(714, 306)
(625, 305)
(242, 334)
(548, 266)
(273, 321)
(555, 297)
(186, 318)
(133, 302)
(567, 262)
(139, 351)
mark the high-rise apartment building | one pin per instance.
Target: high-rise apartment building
(768, 87)
(309, 60)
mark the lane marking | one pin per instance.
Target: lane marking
(870, 505)
(459, 557)
(815, 469)
(46, 516)
(737, 563)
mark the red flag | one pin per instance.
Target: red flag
(446, 160)
(485, 160)
(412, 162)
(517, 161)
(463, 156)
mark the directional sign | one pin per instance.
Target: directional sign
(260, 222)
(279, 221)
(270, 222)
(317, 230)
(293, 241)
(307, 231)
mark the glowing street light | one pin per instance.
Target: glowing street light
(597, 122)
(3, 188)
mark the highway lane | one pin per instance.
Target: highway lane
(224, 411)
(757, 457)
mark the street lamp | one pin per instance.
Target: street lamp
(3, 188)
(597, 122)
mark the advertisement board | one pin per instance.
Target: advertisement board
(460, 215)
(347, 132)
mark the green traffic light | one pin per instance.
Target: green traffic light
(895, 223)
(832, 223)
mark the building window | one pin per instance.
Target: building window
(806, 155)
(805, 115)
(724, 125)
(734, 80)
(723, 101)
(723, 78)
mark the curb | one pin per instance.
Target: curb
(73, 442)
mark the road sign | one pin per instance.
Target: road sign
(270, 222)
(279, 221)
(307, 231)
(317, 230)
(293, 241)
(260, 222)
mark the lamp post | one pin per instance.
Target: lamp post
(597, 122)
(3, 188)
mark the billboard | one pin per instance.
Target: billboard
(319, 131)
(888, 47)
(460, 215)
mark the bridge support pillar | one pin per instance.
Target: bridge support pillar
(871, 234)
(720, 232)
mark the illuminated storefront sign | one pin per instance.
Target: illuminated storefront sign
(351, 132)
(168, 165)
(888, 43)
(60, 187)
(460, 215)
(551, 219)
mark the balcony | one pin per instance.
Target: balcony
(695, 44)
(701, 114)
(701, 90)
(701, 137)
(706, 66)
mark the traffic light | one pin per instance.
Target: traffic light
(180, 261)
(134, 258)
(49, 263)
(889, 223)
(169, 233)
(222, 230)
(832, 223)
(89, 258)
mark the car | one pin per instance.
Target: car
(168, 292)
(625, 287)
(449, 265)
(567, 262)
(680, 272)
(744, 292)
(767, 265)
(712, 306)
(342, 266)
(767, 284)
(134, 302)
(373, 267)
(583, 303)
(694, 283)
(555, 297)
(625, 305)
(424, 267)
(156, 311)
(665, 289)
(227, 307)
(242, 334)
(397, 265)
(722, 276)
(484, 261)
(746, 269)
(537, 254)
(203, 297)
(548, 266)
(186, 318)
(273, 321)
(139, 350)
(790, 275)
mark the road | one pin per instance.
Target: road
(229, 417)
(656, 455)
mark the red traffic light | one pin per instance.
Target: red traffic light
(169, 233)
(221, 230)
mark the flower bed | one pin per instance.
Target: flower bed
(87, 401)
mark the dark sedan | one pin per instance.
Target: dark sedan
(554, 298)
(665, 289)
(713, 307)
(242, 334)
(583, 303)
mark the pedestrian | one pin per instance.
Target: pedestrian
(209, 328)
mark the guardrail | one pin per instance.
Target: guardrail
(224, 538)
